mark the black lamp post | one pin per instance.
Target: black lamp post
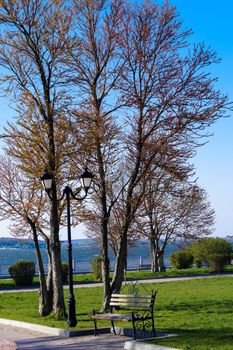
(85, 179)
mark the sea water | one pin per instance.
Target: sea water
(83, 250)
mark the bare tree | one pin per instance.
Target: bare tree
(23, 204)
(173, 210)
(171, 97)
(34, 37)
(95, 70)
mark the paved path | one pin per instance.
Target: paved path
(31, 340)
(151, 280)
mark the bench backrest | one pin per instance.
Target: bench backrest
(128, 301)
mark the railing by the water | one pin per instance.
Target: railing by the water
(4, 270)
(85, 266)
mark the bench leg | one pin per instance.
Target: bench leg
(153, 326)
(95, 324)
(113, 327)
(134, 331)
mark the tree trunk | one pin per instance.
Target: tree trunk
(154, 255)
(58, 295)
(45, 305)
(49, 281)
(162, 266)
(121, 260)
(121, 263)
(104, 231)
(157, 253)
(105, 268)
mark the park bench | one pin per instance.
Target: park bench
(140, 312)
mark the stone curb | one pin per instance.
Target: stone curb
(137, 345)
(35, 327)
(51, 330)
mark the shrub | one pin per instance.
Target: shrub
(22, 272)
(65, 272)
(96, 268)
(217, 262)
(181, 260)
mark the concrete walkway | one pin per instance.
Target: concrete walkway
(6, 344)
(30, 340)
(18, 338)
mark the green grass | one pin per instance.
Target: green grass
(23, 306)
(200, 311)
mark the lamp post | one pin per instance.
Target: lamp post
(85, 179)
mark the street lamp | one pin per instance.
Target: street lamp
(85, 179)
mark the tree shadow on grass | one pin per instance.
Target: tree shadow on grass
(200, 339)
(225, 306)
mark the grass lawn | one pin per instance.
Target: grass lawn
(23, 306)
(200, 311)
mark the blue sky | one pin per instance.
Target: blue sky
(211, 22)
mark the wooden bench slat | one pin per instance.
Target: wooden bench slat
(128, 304)
(118, 317)
(128, 296)
(133, 300)
(113, 317)
(119, 301)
